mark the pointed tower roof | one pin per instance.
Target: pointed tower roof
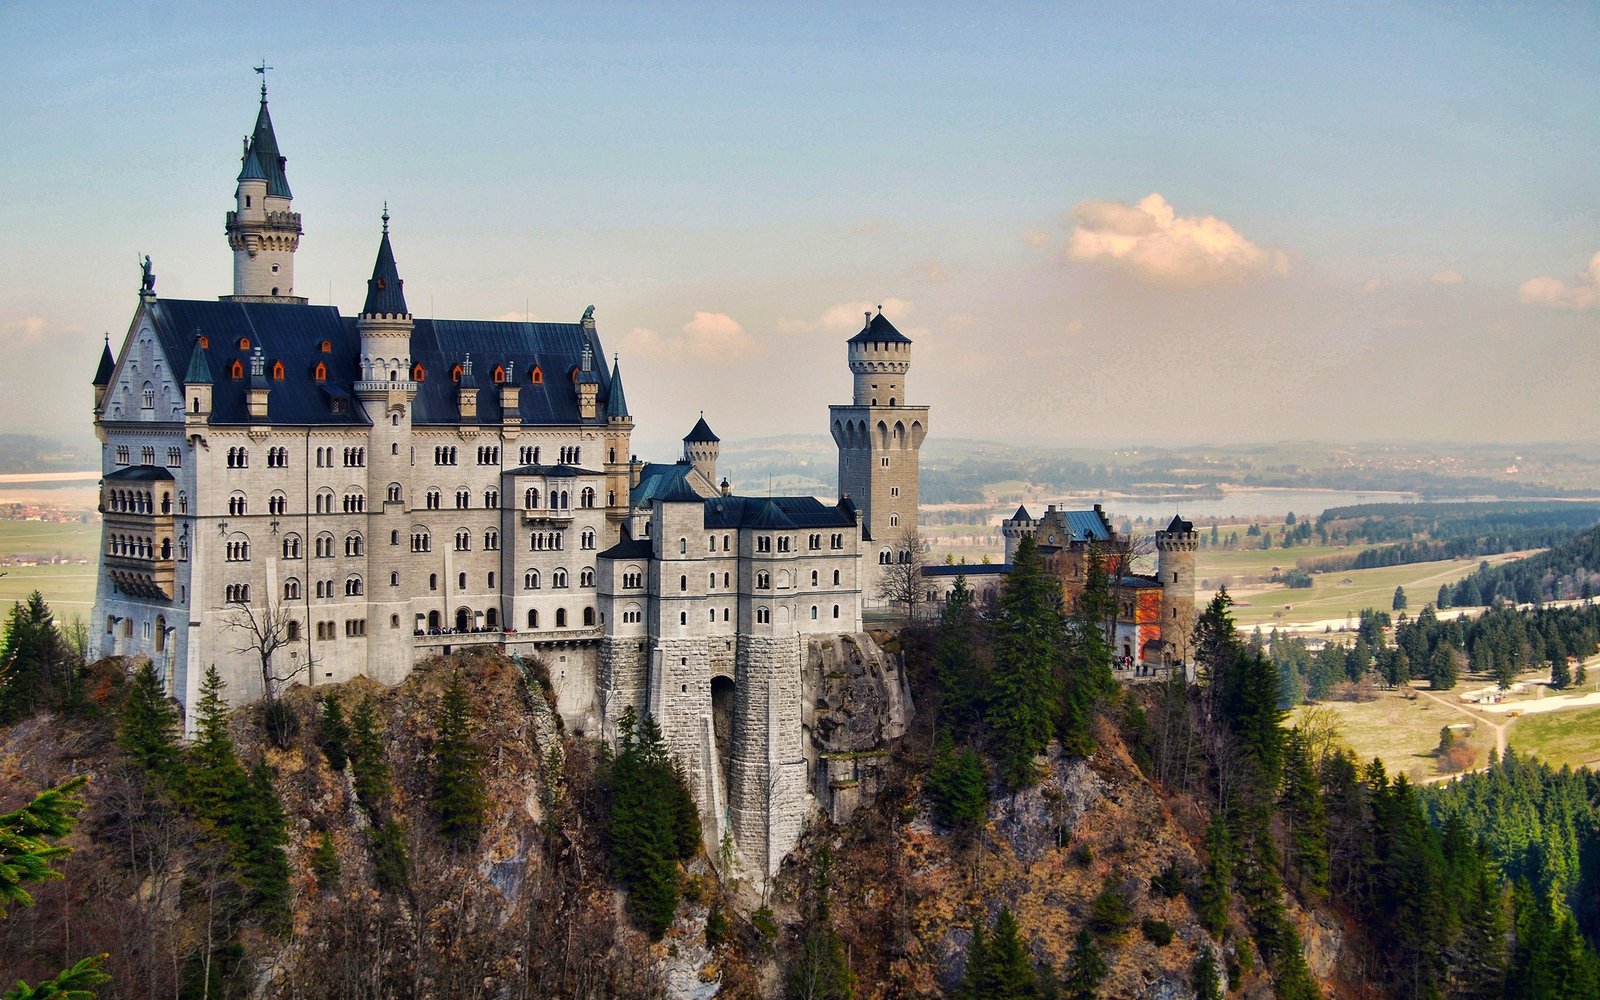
(199, 368)
(617, 403)
(701, 433)
(102, 375)
(879, 330)
(385, 290)
(264, 151)
(1022, 514)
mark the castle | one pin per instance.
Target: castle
(296, 496)
(1154, 614)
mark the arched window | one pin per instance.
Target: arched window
(813, 612)
(586, 578)
(491, 540)
(683, 618)
(533, 618)
(683, 546)
(586, 498)
(354, 545)
(836, 611)
(394, 493)
(244, 343)
(530, 580)
(836, 578)
(558, 578)
(588, 616)
(683, 583)
(352, 587)
(291, 589)
(320, 372)
(813, 582)
(763, 616)
(394, 579)
(561, 617)
(293, 631)
(291, 546)
(327, 347)
(763, 581)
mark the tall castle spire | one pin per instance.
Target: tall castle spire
(262, 231)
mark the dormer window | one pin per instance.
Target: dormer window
(574, 375)
(455, 374)
(320, 373)
(236, 371)
(536, 376)
(418, 373)
(499, 374)
(204, 341)
(327, 347)
(244, 343)
(277, 371)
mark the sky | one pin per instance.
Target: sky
(1102, 224)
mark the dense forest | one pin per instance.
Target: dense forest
(1567, 571)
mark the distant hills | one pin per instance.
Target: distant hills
(32, 453)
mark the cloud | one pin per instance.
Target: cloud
(1037, 239)
(27, 330)
(1582, 294)
(848, 316)
(708, 337)
(931, 270)
(1151, 241)
(1448, 278)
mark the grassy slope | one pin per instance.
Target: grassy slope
(68, 589)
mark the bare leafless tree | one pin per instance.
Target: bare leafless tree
(263, 632)
(901, 581)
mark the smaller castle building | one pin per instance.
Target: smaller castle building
(1154, 613)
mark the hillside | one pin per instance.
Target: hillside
(1568, 570)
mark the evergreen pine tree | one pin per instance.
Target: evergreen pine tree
(26, 854)
(1011, 975)
(333, 733)
(1027, 648)
(1207, 975)
(28, 659)
(262, 866)
(1443, 600)
(1300, 806)
(957, 787)
(458, 792)
(1086, 969)
(367, 759)
(642, 822)
(325, 864)
(1442, 667)
(1560, 672)
(1211, 897)
(957, 668)
(976, 978)
(147, 729)
(1087, 679)
(391, 863)
(214, 781)
(1399, 602)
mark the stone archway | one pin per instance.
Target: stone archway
(722, 700)
(463, 619)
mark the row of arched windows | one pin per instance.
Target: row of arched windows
(134, 547)
(238, 458)
(589, 617)
(136, 502)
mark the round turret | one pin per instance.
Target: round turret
(880, 359)
(702, 448)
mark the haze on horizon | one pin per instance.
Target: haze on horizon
(1158, 224)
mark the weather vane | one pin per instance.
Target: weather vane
(262, 69)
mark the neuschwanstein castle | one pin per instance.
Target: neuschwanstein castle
(375, 490)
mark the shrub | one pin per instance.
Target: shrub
(1157, 932)
(1110, 914)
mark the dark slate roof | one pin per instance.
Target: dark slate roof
(618, 405)
(287, 332)
(552, 471)
(879, 331)
(967, 569)
(1138, 582)
(556, 348)
(108, 364)
(701, 434)
(1021, 514)
(1179, 525)
(657, 479)
(139, 474)
(199, 372)
(385, 290)
(777, 513)
(629, 548)
(1087, 524)
(264, 150)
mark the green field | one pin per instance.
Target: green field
(1559, 738)
(1338, 595)
(69, 589)
(1401, 732)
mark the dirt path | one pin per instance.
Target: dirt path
(1498, 727)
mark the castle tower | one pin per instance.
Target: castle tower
(102, 375)
(619, 437)
(1175, 555)
(386, 390)
(701, 448)
(1015, 528)
(879, 437)
(262, 232)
